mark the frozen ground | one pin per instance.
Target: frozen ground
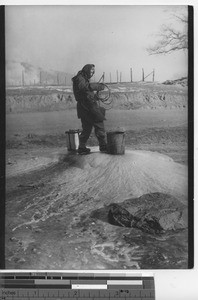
(57, 216)
(57, 204)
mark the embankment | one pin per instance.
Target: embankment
(123, 97)
(35, 103)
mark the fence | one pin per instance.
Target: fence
(119, 76)
(58, 79)
(43, 78)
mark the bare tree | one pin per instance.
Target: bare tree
(170, 38)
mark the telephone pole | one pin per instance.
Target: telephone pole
(131, 72)
(142, 74)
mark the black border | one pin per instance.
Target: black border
(2, 137)
(190, 137)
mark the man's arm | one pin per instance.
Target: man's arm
(84, 85)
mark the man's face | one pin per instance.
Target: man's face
(92, 71)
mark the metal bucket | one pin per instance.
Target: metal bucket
(116, 142)
(72, 139)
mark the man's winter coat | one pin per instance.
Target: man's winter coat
(87, 105)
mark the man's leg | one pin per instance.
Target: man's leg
(86, 131)
(101, 135)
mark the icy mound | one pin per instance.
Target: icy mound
(113, 178)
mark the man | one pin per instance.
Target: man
(88, 110)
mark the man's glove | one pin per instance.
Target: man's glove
(101, 87)
(95, 86)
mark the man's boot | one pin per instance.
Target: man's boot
(83, 150)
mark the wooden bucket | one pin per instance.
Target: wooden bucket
(72, 139)
(116, 142)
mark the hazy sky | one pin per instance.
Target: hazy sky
(65, 38)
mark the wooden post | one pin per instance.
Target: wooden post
(142, 74)
(153, 75)
(131, 75)
(117, 75)
(120, 76)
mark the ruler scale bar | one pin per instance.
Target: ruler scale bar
(76, 286)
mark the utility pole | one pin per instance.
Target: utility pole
(142, 74)
(131, 72)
